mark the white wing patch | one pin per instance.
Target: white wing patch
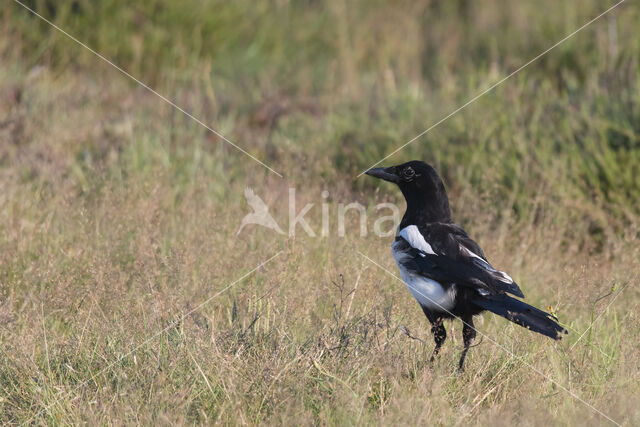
(505, 277)
(412, 235)
(468, 252)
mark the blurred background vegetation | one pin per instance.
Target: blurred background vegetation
(326, 88)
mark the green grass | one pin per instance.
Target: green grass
(118, 214)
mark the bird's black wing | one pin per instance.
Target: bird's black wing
(445, 253)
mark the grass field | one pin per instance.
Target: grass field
(119, 214)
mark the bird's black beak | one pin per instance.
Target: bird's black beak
(388, 174)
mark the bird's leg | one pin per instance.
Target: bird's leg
(437, 329)
(468, 335)
(439, 335)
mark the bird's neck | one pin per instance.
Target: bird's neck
(420, 211)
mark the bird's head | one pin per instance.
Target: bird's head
(414, 176)
(421, 186)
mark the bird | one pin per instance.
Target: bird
(446, 271)
(260, 214)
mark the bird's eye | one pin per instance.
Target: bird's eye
(408, 173)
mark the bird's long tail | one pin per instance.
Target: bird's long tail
(523, 314)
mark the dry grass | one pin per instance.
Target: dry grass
(118, 216)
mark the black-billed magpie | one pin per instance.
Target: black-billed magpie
(445, 270)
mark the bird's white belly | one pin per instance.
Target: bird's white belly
(429, 293)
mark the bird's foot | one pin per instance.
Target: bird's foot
(433, 357)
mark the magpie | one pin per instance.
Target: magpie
(445, 270)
